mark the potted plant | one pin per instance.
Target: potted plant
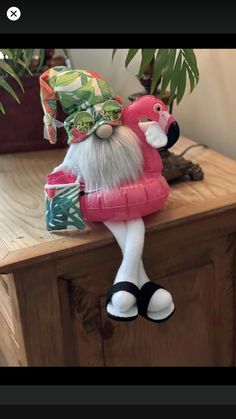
(20, 107)
(160, 69)
(165, 67)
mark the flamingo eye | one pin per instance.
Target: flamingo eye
(157, 108)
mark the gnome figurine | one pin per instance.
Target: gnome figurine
(113, 157)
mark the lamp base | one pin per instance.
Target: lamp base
(177, 168)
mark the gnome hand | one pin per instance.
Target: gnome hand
(64, 167)
(154, 134)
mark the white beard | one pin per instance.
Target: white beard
(106, 164)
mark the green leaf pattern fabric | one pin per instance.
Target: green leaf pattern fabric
(63, 210)
(77, 91)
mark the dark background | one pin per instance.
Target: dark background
(119, 16)
(118, 395)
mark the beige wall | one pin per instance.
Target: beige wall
(207, 115)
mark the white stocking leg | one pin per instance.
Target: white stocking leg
(130, 237)
(161, 299)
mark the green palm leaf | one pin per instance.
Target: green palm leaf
(7, 68)
(22, 63)
(181, 83)
(131, 54)
(8, 88)
(6, 52)
(2, 108)
(166, 77)
(16, 62)
(147, 56)
(175, 76)
(41, 58)
(159, 65)
(191, 78)
(113, 52)
(17, 53)
(168, 65)
(190, 58)
(28, 55)
(66, 52)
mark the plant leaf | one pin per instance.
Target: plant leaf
(41, 58)
(181, 83)
(113, 52)
(65, 52)
(8, 88)
(191, 78)
(147, 55)
(2, 108)
(131, 54)
(168, 71)
(6, 52)
(175, 77)
(22, 63)
(28, 55)
(17, 53)
(159, 65)
(7, 68)
(192, 62)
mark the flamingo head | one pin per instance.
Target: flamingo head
(149, 112)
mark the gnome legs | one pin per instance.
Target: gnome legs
(130, 238)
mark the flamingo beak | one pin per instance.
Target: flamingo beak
(172, 134)
(170, 127)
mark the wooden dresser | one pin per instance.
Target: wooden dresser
(53, 285)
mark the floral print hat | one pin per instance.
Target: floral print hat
(84, 95)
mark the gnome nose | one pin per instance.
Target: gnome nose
(104, 131)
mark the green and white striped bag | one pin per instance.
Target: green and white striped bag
(62, 207)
